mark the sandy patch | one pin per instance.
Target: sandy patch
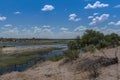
(8, 50)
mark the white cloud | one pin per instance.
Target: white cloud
(37, 29)
(63, 29)
(48, 8)
(118, 23)
(46, 26)
(99, 19)
(97, 4)
(90, 17)
(17, 12)
(80, 28)
(114, 23)
(95, 14)
(111, 23)
(8, 25)
(47, 30)
(117, 6)
(40, 32)
(3, 18)
(72, 17)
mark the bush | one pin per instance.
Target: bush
(90, 48)
(72, 45)
(72, 54)
(56, 58)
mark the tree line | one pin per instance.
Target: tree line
(96, 39)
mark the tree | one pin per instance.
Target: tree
(112, 39)
(92, 37)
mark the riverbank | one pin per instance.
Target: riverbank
(30, 48)
(21, 58)
(13, 50)
(67, 71)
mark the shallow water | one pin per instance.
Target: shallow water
(39, 57)
(24, 45)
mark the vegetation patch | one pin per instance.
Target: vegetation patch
(7, 60)
(56, 58)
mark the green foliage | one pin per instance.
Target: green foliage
(72, 54)
(91, 37)
(56, 58)
(103, 44)
(72, 45)
(113, 39)
(78, 41)
(7, 60)
(90, 48)
(94, 39)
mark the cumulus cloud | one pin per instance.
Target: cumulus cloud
(47, 30)
(17, 12)
(63, 29)
(37, 29)
(46, 26)
(80, 28)
(95, 14)
(114, 23)
(8, 25)
(72, 17)
(99, 19)
(48, 8)
(90, 17)
(117, 6)
(40, 32)
(3, 18)
(97, 4)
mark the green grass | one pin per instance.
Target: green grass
(7, 60)
(37, 42)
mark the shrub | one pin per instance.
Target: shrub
(72, 45)
(72, 54)
(90, 48)
(56, 58)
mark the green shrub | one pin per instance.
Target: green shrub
(72, 45)
(56, 58)
(72, 54)
(90, 48)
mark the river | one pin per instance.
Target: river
(38, 56)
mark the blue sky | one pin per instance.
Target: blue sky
(57, 18)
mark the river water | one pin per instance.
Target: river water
(39, 57)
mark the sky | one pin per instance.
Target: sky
(57, 19)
